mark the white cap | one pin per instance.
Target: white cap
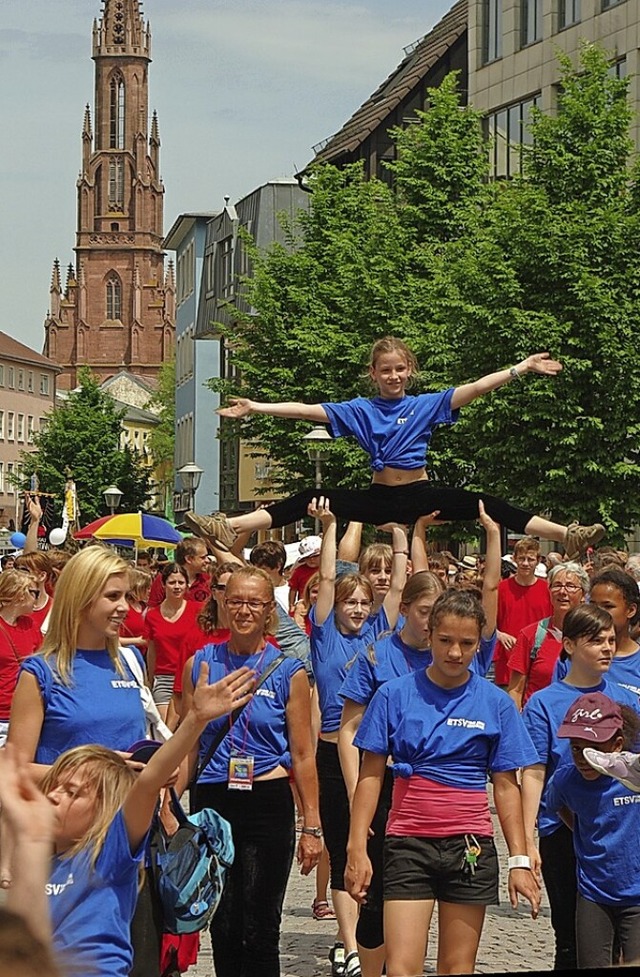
(309, 546)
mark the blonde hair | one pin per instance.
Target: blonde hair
(528, 544)
(105, 773)
(79, 584)
(391, 344)
(15, 585)
(376, 555)
(250, 572)
(349, 583)
(139, 583)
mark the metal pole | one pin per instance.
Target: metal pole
(318, 485)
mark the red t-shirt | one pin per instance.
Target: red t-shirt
(199, 590)
(518, 605)
(134, 626)
(539, 672)
(299, 577)
(17, 641)
(168, 636)
(194, 641)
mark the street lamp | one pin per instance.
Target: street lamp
(190, 475)
(315, 440)
(112, 497)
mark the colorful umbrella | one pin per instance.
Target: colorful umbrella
(139, 528)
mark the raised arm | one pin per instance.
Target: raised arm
(419, 555)
(320, 509)
(491, 577)
(536, 363)
(400, 546)
(32, 504)
(242, 407)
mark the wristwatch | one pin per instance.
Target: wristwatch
(316, 832)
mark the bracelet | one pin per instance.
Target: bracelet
(401, 552)
(514, 373)
(316, 832)
(519, 861)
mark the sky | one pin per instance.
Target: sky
(243, 89)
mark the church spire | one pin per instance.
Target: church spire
(121, 30)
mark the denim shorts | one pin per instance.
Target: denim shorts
(434, 868)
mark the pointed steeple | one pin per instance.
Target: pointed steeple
(121, 30)
(55, 291)
(55, 277)
(87, 138)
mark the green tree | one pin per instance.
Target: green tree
(83, 435)
(162, 438)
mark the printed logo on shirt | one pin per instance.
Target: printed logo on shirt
(629, 799)
(632, 688)
(122, 684)
(467, 723)
(403, 420)
(56, 888)
(267, 692)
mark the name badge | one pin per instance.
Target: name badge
(240, 773)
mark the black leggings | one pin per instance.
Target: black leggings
(379, 504)
(245, 931)
(334, 810)
(559, 874)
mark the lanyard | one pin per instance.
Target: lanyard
(247, 710)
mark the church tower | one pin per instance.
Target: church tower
(117, 309)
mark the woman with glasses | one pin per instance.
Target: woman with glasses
(247, 779)
(538, 645)
(342, 624)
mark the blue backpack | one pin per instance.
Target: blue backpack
(190, 867)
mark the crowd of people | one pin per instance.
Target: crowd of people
(391, 693)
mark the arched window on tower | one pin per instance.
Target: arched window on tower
(114, 298)
(116, 183)
(116, 113)
(97, 196)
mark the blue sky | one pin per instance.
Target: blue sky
(243, 90)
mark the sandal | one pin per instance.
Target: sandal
(320, 909)
(352, 965)
(336, 956)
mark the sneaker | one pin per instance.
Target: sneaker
(579, 538)
(352, 965)
(624, 766)
(337, 958)
(216, 527)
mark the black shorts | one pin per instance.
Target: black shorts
(432, 868)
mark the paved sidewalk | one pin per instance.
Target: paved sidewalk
(511, 941)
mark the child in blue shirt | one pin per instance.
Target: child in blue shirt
(395, 428)
(606, 824)
(103, 812)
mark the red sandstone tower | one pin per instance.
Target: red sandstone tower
(117, 309)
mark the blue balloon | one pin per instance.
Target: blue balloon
(18, 540)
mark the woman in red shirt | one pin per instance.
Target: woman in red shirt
(167, 627)
(19, 635)
(133, 630)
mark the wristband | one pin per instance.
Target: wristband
(514, 373)
(401, 552)
(519, 861)
(316, 832)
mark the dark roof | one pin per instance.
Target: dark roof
(400, 83)
(11, 349)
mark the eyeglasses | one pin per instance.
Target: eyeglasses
(255, 606)
(350, 604)
(220, 586)
(571, 588)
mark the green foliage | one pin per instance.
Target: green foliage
(163, 404)
(475, 276)
(83, 436)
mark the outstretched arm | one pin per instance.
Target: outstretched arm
(320, 509)
(208, 702)
(242, 407)
(491, 577)
(400, 546)
(536, 363)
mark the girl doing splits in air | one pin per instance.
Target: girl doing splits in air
(395, 428)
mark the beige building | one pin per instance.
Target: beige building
(512, 50)
(27, 394)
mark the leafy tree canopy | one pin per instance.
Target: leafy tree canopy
(474, 275)
(83, 436)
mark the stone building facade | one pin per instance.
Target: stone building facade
(116, 308)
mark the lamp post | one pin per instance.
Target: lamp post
(190, 475)
(112, 497)
(315, 439)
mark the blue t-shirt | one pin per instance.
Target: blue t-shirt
(453, 736)
(331, 652)
(605, 834)
(625, 671)
(543, 715)
(261, 728)
(393, 432)
(98, 706)
(389, 657)
(92, 908)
